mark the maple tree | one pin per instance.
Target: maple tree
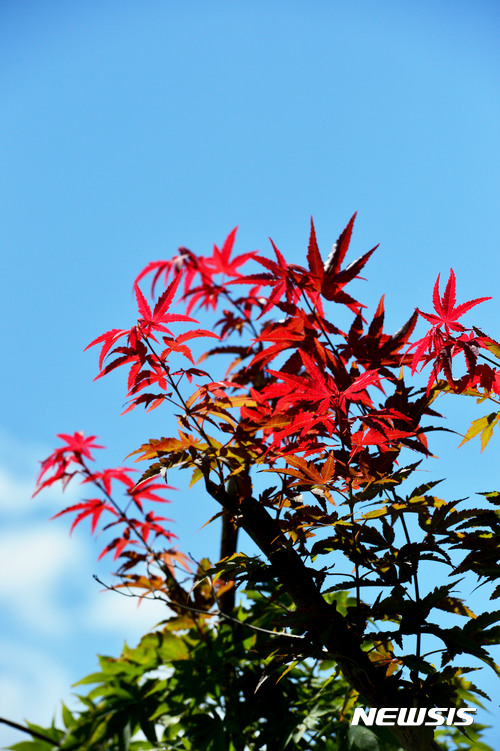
(331, 613)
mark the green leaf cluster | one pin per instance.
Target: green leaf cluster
(224, 686)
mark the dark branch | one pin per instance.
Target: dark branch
(325, 626)
(33, 733)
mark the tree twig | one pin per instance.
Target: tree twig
(33, 733)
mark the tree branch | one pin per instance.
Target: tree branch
(33, 733)
(325, 625)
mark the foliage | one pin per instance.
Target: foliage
(330, 417)
(190, 686)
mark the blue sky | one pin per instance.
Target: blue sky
(128, 129)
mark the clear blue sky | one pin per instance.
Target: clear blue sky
(130, 128)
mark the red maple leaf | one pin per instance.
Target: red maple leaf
(375, 350)
(284, 279)
(93, 507)
(318, 392)
(446, 311)
(220, 263)
(439, 345)
(118, 544)
(334, 278)
(315, 263)
(186, 263)
(148, 322)
(152, 524)
(154, 321)
(77, 446)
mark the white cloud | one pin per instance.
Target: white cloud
(38, 559)
(14, 492)
(16, 495)
(114, 612)
(31, 686)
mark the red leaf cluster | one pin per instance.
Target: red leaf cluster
(297, 387)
